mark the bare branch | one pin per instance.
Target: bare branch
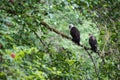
(56, 31)
(62, 34)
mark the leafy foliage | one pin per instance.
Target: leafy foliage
(29, 51)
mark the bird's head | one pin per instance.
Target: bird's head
(70, 26)
(91, 36)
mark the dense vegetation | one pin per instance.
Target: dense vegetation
(31, 51)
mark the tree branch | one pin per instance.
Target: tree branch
(56, 31)
(63, 35)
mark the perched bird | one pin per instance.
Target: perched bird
(93, 43)
(75, 33)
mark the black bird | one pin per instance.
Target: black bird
(75, 33)
(93, 43)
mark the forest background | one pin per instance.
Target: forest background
(30, 47)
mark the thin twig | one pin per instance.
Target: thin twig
(39, 38)
(93, 63)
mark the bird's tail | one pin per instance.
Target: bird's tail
(78, 43)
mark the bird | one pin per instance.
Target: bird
(75, 33)
(93, 43)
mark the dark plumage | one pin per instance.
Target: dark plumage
(93, 43)
(75, 34)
